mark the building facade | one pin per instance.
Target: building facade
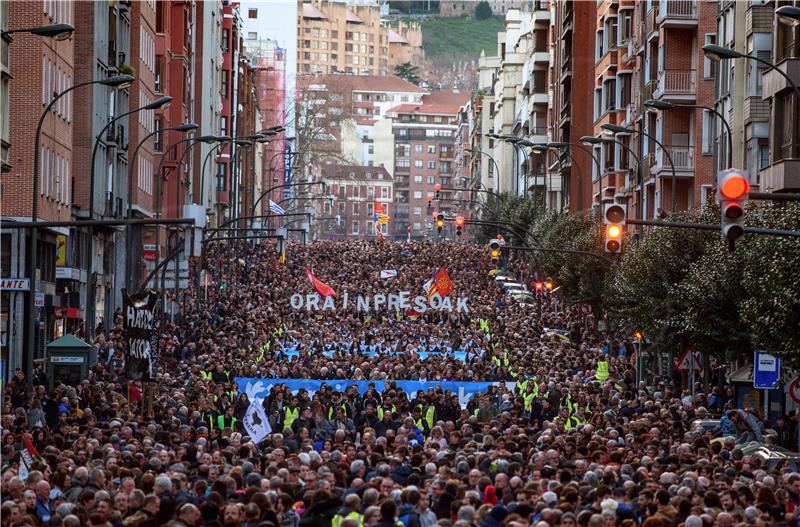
(424, 142)
(356, 191)
(405, 44)
(783, 171)
(34, 69)
(334, 36)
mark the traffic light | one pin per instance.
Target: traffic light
(440, 222)
(459, 225)
(538, 286)
(733, 189)
(437, 188)
(494, 251)
(614, 220)
(548, 284)
(430, 199)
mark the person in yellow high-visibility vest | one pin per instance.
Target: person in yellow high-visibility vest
(349, 511)
(290, 413)
(602, 371)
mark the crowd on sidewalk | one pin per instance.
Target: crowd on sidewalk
(563, 437)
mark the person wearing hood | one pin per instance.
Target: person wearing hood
(322, 510)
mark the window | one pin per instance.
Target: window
(384, 192)
(402, 163)
(418, 148)
(370, 209)
(417, 194)
(418, 179)
(610, 95)
(599, 42)
(223, 89)
(355, 207)
(709, 66)
(432, 165)
(418, 163)
(763, 155)
(444, 148)
(610, 33)
(222, 178)
(431, 180)
(598, 103)
(417, 211)
(223, 125)
(755, 72)
(370, 192)
(252, 13)
(708, 132)
(341, 206)
(354, 229)
(431, 149)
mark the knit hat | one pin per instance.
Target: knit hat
(489, 495)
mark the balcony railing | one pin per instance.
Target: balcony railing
(676, 82)
(682, 157)
(684, 9)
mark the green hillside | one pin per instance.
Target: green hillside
(459, 38)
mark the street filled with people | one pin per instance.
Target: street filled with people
(484, 413)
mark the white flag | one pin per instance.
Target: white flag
(388, 273)
(256, 422)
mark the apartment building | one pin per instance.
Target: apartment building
(570, 115)
(512, 102)
(783, 171)
(33, 70)
(356, 191)
(452, 8)
(424, 156)
(334, 36)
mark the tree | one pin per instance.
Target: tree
(519, 211)
(408, 72)
(483, 10)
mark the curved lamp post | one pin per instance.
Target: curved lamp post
(54, 31)
(664, 105)
(615, 129)
(118, 82)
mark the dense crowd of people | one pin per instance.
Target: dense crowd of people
(564, 437)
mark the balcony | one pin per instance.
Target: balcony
(781, 176)
(650, 28)
(756, 110)
(677, 13)
(676, 85)
(682, 158)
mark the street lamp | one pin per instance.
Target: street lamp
(183, 128)
(118, 82)
(566, 146)
(592, 140)
(789, 16)
(664, 105)
(162, 102)
(221, 141)
(482, 153)
(616, 129)
(54, 31)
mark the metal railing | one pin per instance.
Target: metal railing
(682, 157)
(676, 82)
(677, 9)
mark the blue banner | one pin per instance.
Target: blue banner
(258, 389)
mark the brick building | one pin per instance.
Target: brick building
(356, 190)
(35, 69)
(570, 110)
(405, 44)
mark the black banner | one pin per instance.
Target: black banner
(139, 320)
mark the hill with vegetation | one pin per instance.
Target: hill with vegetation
(455, 39)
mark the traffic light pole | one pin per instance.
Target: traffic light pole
(553, 250)
(710, 227)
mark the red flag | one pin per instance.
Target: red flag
(321, 287)
(443, 283)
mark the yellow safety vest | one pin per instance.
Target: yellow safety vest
(289, 416)
(338, 519)
(602, 371)
(529, 397)
(429, 416)
(221, 422)
(205, 375)
(381, 411)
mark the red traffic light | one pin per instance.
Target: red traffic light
(437, 187)
(459, 221)
(434, 214)
(734, 186)
(538, 286)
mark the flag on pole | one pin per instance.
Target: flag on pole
(276, 209)
(321, 287)
(382, 219)
(256, 423)
(388, 273)
(430, 288)
(379, 208)
(378, 231)
(442, 280)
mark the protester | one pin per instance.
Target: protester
(564, 437)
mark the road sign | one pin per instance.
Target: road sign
(794, 389)
(766, 370)
(683, 363)
(38, 299)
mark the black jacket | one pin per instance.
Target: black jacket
(321, 514)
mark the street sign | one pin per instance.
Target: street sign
(38, 300)
(683, 363)
(766, 370)
(149, 252)
(794, 389)
(15, 284)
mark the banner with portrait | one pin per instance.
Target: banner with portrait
(139, 319)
